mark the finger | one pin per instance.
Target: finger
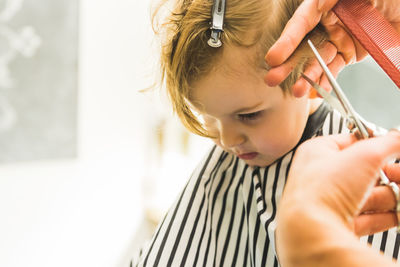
(361, 52)
(392, 171)
(368, 224)
(277, 75)
(343, 141)
(347, 44)
(369, 156)
(325, 5)
(329, 18)
(332, 142)
(304, 19)
(343, 41)
(374, 151)
(335, 67)
(381, 199)
(314, 71)
(301, 86)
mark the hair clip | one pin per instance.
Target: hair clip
(218, 12)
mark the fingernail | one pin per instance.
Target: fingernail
(268, 58)
(300, 88)
(321, 4)
(270, 83)
(270, 80)
(271, 55)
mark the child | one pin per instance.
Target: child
(225, 215)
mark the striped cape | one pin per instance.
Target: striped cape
(226, 214)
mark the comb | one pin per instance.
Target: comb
(374, 33)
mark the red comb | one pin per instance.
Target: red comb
(374, 33)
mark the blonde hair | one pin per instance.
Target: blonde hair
(186, 56)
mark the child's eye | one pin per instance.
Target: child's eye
(250, 116)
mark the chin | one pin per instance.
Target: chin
(259, 162)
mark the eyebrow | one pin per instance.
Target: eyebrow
(244, 109)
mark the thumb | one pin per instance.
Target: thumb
(329, 143)
(343, 141)
(374, 151)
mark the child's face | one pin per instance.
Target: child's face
(256, 122)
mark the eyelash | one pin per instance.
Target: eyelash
(250, 116)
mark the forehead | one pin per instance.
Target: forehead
(235, 81)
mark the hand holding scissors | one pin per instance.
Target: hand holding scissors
(342, 104)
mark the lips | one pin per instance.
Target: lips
(248, 156)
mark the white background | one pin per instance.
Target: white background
(85, 211)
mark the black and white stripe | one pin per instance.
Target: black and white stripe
(226, 214)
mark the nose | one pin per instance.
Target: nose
(230, 137)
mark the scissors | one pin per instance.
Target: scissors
(341, 104)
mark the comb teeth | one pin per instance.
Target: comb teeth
(374, 33)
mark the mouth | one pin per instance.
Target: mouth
(248, 156)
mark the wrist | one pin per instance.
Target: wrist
(316, 236)
(311, 236)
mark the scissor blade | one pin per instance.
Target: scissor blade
(341, 97)
(335, 86)
(332, 101)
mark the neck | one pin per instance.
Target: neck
(314, 104)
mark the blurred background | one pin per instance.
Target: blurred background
(89, 164)
(84, 155)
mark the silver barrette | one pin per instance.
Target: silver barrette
(218, 12)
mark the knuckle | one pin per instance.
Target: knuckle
(304, 20)
(291, 41)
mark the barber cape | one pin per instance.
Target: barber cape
(226, 214)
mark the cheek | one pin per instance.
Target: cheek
(211, 125)
(276, 142)
(282, 131)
